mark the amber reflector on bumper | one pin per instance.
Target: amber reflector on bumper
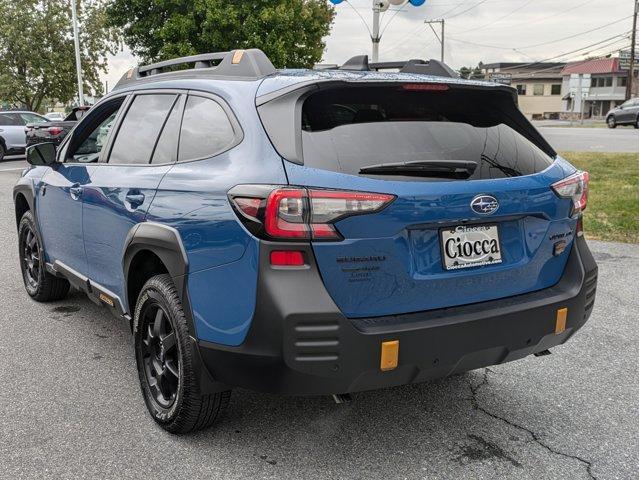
(390, 355)
(562, 315)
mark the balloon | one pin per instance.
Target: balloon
(417, 3)
(335, 2)
(396, 2)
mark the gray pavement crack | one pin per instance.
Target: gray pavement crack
(536, 438)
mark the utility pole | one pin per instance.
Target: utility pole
(76, 39)
(441, 40)
(633, 52)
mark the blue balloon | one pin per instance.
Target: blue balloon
(335, 2)
(416, 3)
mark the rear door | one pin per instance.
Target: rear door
(474, 217)
(139, 154)
(12, 130)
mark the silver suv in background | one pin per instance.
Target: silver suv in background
(625, 114)
(13, 137)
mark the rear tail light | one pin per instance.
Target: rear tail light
(283, 213)
(54, 130)
(575, 187)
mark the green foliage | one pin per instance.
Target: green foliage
(613, 203)
(472, 73)
(290, 32)
(37, 57)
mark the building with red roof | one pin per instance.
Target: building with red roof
(598, 85)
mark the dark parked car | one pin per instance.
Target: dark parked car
(625, 114)
(53, 131)
(307, 232)
(12, 125)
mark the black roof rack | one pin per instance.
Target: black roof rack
(360, 63)
(242, 64)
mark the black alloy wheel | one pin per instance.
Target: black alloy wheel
(166, 361)
(38, 282)
(30, 257)
(160, 354)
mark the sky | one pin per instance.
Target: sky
(476, 30)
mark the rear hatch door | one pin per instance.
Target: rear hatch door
(474, 218)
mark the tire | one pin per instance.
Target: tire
(2, 152)
(637, 123)
(40, 284)
(611, 122)
(165, 364)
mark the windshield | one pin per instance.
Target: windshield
(348, 129)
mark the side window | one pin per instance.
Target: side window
(90, 141)
(140, 128)
(206, 129)
(166, 148)
(9, 120)
(31, 118)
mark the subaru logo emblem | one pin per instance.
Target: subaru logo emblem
(484, 204)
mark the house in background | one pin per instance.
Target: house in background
(538, 86)
(607, 88)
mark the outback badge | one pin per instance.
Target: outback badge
(484, 204)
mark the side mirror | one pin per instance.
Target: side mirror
(41, 154)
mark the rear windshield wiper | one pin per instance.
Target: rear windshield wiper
(457, 169)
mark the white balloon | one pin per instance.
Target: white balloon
(396, 2)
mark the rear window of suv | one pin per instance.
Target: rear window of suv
(350, 128)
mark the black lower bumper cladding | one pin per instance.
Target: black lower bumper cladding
(300, 343)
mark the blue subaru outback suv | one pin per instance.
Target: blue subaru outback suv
(308, 232)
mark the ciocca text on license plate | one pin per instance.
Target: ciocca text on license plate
(467, 246)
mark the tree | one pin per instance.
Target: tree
(472, 73)
(290, 32)
(37, 58)
(465, 72)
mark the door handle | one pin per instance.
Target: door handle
(76, 191)
(135, 199)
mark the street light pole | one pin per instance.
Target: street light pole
(78, 65)
(633, 50)
(375, 37)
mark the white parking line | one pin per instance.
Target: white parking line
(12, 169)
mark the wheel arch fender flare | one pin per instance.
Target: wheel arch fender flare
(166, 243)
(162, 240)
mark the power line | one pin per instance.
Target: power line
(568, 53)
(525, 47)
(578, 34)
(553, 15)
(467, 10)
(569, 59)
(521, 7)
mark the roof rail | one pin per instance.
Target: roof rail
(252, 63)
(430, 67)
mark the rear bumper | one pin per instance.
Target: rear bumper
(300, 343)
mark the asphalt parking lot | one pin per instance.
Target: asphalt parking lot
(71, 405)
(621, 139)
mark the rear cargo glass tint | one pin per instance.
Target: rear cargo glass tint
(347, 129)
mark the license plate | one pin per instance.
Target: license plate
(466, 246)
